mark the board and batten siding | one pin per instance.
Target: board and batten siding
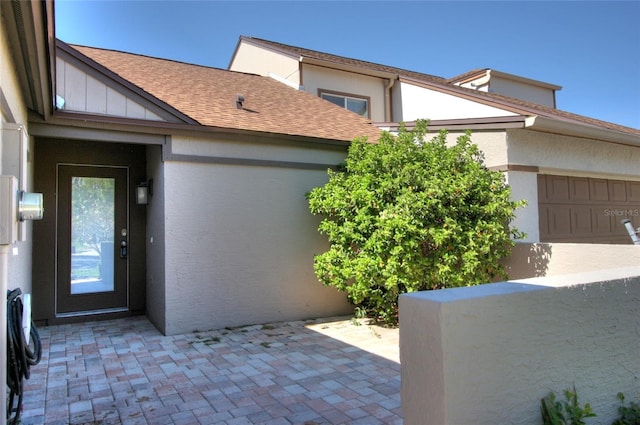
(82, 92)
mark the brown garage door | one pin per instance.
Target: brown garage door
(586, 210)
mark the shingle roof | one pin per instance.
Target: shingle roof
(208, 96)
(505, 102)
(299, 51)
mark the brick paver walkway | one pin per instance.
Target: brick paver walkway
(126, 372)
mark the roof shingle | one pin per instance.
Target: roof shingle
(509, 103)
(208, 96)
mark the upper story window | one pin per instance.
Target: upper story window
(357, 104)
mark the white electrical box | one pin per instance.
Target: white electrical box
(8, 210)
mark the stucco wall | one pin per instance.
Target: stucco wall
(420, 102)
(155, 243)
(522, 90)
(488, 354)
(240, 239)
(15, 260)
(316, 77)
(256, 60)
(524, 186)
(573, 156)
(551, 259)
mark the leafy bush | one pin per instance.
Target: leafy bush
(407, 214)
(629, 415)
(568, 412)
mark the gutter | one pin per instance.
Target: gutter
(585, 131)
(462, 124)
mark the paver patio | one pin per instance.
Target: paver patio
(126, 372)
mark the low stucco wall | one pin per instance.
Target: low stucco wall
(552, 259)
(488, 354)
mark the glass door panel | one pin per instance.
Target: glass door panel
(92, 223)
(92, 233)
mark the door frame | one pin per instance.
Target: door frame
(67, 304)
(48, 152)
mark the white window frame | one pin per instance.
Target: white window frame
(346, 97)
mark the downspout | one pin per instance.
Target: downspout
(387, 99)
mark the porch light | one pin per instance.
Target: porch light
(143, 191)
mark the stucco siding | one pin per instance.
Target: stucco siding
(488, 354)
(524, 187)
(552, 259)
(155, 242)
(316, 78)
(420, 102)
(14, 138)
(257, 60)
(15, 261)
(520, 90)
(275, 151)
(9, 83)
(493, 145)
(573, 156)
(240, 243)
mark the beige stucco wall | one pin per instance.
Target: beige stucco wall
(316, 77)
(551, 154)
(255, 60)
(522, 90)
(240, 241)
(13, 134)
(9, 81)
(524, 186)
(573, 156)
(552, 259)
(488, 354)
(15, 260)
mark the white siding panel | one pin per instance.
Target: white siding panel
(75, 94)
(96, 96)
(82, 92)
(135, 110)
(420, 102)
(116, 103)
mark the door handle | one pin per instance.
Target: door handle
(123, 249)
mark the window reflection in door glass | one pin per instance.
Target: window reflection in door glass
(92, 234)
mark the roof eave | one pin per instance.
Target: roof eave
(348, 68)
(463, 124)
(31, 25)
(77, 125)
(570, 128)
(108, 73)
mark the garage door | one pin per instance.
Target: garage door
(586, 210)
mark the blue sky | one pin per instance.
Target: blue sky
(590, 48)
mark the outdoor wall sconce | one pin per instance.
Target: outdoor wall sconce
(143, 191)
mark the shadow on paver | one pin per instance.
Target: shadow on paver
(125, 372)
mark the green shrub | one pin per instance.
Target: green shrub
(407, 214)
(629, 415)
(568, 412)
